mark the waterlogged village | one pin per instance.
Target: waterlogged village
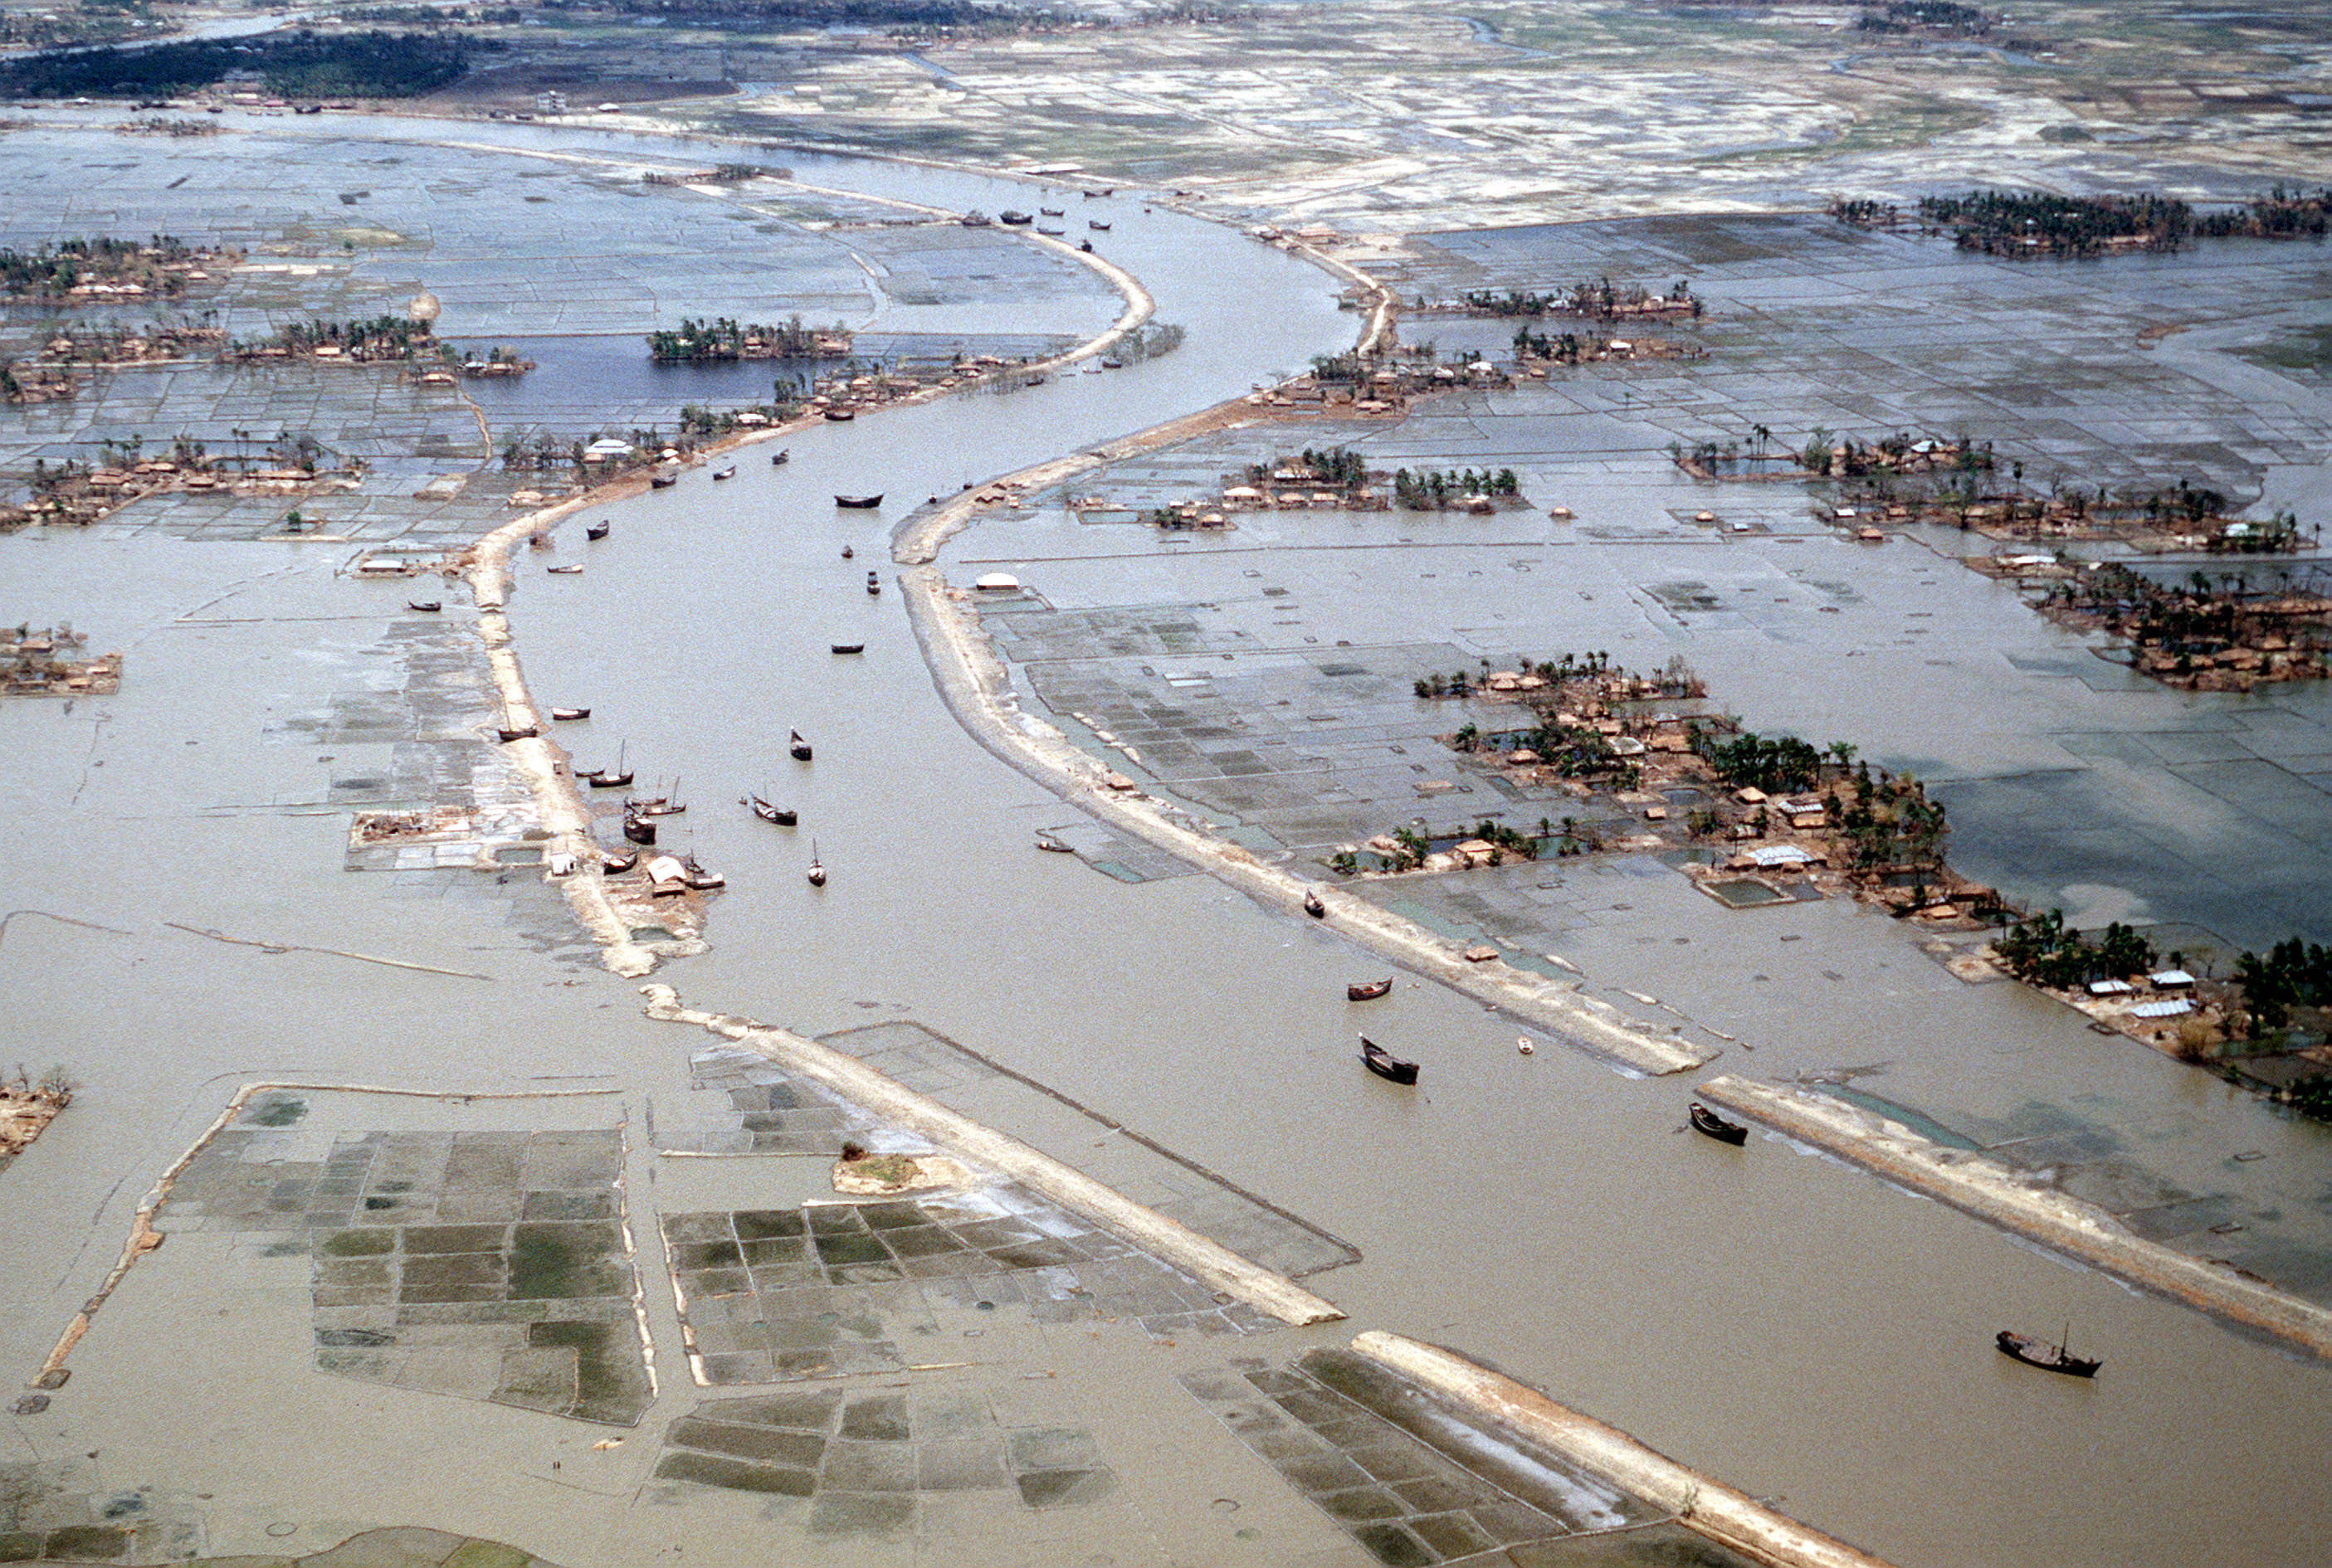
(1166, 877)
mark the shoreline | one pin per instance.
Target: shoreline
(1985, 1189)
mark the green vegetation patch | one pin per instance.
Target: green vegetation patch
(302, 64)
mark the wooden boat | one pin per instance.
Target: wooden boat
(1097, 225)
(847, 552)
(655, 808)
(426, 607)
(1105, 191)
(1369, 992)
(1047, 842)
(1314, 907)
(859, 503)
(1053, 212)
(724, 473)
(529, 733)
(797, 747)
(639, 829)
(817, 870)
(617, 864)
(846, 647)
(1086, 246)
(1111, 362)
(1705, 1120)
(701, 878)
(564, 714)
(875, 583)
(609, 778)
(784, 816)
(564, 571)
(663, 481)
(1014, 220)
(596, 531)
(1386, 1065)
(2047, 1357)
(841, 415)
(779, 458)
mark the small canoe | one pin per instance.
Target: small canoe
(725, 473)
(1369, 992)
(1314, 907)
(426, 607)
(1047, 842)
(598, 530)
(859, 503)
(1705, 1120)
(1386, 1065)
(2047, 1357)
(529, 733)
(564, 571)
(564, 714)
(846, 646)
(1097, 225)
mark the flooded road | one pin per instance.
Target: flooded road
(1763, 1314)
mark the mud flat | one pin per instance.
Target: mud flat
(1732, 1519)
(901, 1107)
(1990, 1192)
(977, 687)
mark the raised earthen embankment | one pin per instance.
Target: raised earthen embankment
(901, 1107)
(1731, 1518)
(1992, 1191)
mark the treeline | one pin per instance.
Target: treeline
(298, 64)
(62, 267)
(1588, 297)
(1434, 487)
(957, 15)
(2043, 949)
(2279, 215)
(723, 337)
(1937, 15)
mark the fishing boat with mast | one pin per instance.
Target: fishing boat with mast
(610, 778)
(816, 868)
(2047, 1357)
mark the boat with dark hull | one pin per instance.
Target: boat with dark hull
(663, 481)
(875, 584)
(724, 473)
(617, 864)
(639, 829)
(598, 530)
(1370, 991)
(568, 715)
(816, 867)
(1314, 907)
(784, 816)
(797, 747)
(859, 503)
(609, 778)
(529, 733)
(2047, 1357)
(1709, 1123)
(1047, 842)
(1386, 1065)
(779, 458)
(426, 607)
(846, 646)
